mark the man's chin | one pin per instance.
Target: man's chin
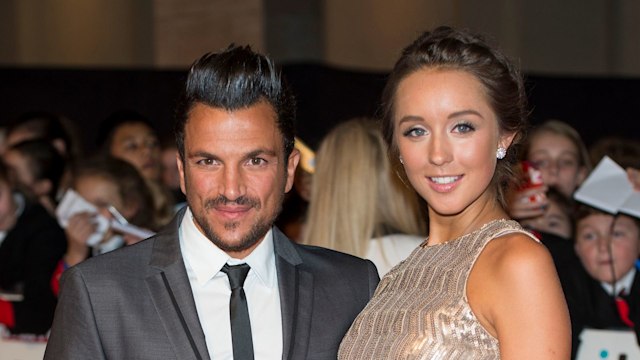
(234, 245)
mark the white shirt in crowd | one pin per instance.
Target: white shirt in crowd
(387, 251)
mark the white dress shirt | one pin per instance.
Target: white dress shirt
(212, 292)
(622, 286)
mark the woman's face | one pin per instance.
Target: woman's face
(447, 135)
(137, 144)
(558, 160)
(594, 235)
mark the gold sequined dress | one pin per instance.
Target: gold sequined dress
(420, 308)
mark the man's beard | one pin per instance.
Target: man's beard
(255, 234)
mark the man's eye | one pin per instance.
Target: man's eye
(257, 161)
(205, 161)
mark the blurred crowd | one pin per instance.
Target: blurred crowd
(347, 196)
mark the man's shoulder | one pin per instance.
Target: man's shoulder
(322, 258)
(126, 260)
(321, 252)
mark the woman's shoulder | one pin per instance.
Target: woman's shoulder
(516, 250)
(515, 262)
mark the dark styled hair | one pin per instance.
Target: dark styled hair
(451, 49)
(234, 79)
(582, 211)
(47, 126)
(108, 127)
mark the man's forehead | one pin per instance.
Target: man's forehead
(256, 124)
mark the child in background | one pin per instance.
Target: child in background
(608, 247)
(105, 183)
(31, 243)
(558, 152)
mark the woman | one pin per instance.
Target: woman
(129, 136)
(479, 287)
(379, 221)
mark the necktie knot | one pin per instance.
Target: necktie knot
(236, 274)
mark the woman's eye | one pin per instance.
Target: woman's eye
(463, 128)
(415, 132)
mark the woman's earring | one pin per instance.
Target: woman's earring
(401, 161)
(501, 153)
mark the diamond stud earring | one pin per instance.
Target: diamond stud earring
(401, 161)
(501, 153)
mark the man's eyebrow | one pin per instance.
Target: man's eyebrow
(259, 152)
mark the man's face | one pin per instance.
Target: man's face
(234, 174)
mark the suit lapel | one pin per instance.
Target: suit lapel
(296, 298)
(171, 294)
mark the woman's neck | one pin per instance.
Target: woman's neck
(443, 228)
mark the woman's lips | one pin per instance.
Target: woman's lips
(444, 183)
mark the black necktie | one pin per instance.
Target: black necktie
(239, 312)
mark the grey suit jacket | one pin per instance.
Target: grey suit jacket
(137, 303)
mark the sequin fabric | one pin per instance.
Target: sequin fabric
(420, 309)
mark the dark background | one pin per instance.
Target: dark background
(595, 106)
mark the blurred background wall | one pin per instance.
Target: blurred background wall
(87, 58)
(547, 36)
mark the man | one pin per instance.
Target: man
(169, 297)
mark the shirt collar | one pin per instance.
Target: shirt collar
(206, 259)
(622, 286)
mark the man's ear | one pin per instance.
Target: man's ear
(292, 164)
(181, 172)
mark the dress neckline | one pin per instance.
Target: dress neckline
(425, 243)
